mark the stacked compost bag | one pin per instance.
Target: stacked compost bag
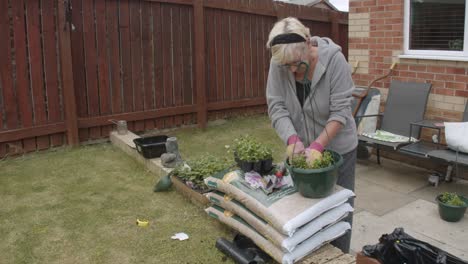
(283, 223)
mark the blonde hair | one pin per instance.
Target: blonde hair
(283, 53)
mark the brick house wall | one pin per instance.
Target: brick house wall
(376, 41)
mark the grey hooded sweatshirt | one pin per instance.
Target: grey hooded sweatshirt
(329, 99)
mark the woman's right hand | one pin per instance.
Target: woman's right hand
(295, 146)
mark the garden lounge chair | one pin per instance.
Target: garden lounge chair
(406, 103)
(453, 158)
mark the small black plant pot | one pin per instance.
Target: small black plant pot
(267, 165)
(245, 166)
(257, 166)
(451, 213)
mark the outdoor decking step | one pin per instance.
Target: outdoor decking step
(328, 254)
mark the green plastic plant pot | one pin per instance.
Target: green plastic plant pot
(163, 184)
(316, 183)
(451, 213)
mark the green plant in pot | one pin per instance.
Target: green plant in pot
(266, 156)
(452, 207)
(250, 154)
(316, 180)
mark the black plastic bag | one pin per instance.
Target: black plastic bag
(242, 250)
(399, 247)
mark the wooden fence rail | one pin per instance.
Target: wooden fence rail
(67, 67)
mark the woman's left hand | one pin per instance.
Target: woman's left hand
(313, 152)
(312, 155)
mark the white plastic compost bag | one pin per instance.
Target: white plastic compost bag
(369, 124)
(456, 135)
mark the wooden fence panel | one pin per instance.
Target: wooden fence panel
(136, 59)
(247, 36)
(158, 60)
(79, 75)
(177, 67)
(136, 52)
(167, 61)
(187, 59)
(91, 66)
(22, 72)
(6, 71)
(124, 30)
(225, 54)
(51, 72)
(36, 68)
(210, 44)
(147, 45)
(112, 20)
(30, 92)
(218, 50)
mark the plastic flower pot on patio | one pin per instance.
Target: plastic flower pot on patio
(316, 183)
(451, 213)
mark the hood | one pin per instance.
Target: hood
(326, 50)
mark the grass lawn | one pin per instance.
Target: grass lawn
(195, 142)
(80, 205)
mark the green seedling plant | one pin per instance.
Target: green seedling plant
(300, 161)
(201, 168)
(247, 148)
(452, 199)
(265, 152)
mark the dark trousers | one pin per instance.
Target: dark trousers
(346, 180)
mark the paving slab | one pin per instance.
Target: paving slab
(378, 200)
(423, 217)
(367, 229)
(393, 175)
(429, 193)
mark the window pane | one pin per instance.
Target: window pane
(437, 24)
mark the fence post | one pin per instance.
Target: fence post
(335, 27)
(199, 36)
(64, 25)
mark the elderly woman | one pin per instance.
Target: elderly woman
(309, 93)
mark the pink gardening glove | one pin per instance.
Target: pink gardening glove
(295, 146)
(313, 152)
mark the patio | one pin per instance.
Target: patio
(398, 195)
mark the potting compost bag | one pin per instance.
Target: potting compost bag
(288, 244)
(399, 247)
(369, 125)
(285, 209)
(313, 243)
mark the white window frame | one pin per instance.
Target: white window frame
(433, 54)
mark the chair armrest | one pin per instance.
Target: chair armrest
(362, 116)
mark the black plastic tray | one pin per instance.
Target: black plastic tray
(151, 147)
